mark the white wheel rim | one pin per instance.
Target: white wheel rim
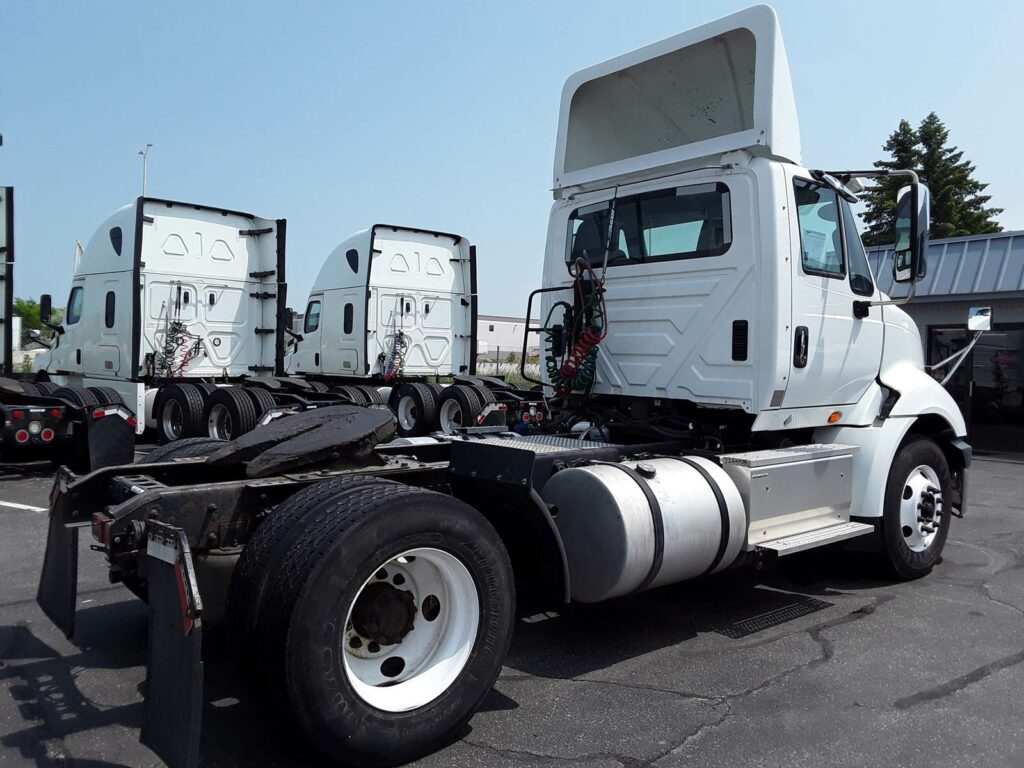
(407, 412)
(921, 508)
(172, 419)
(429, 657)
(219, 424)
(451, 416)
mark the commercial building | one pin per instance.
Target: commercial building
(964, 272)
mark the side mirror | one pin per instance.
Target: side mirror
(45, 308)
(911, 231)
(979, 319)
(289, 318)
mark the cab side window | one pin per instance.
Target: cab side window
(821, 245)
(861, 282)
(74, 313)
(312, 317)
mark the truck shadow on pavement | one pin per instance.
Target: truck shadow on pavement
(239, 727)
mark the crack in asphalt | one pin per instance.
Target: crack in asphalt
(959, 683)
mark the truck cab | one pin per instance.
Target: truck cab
(390, 295)
(734, 284)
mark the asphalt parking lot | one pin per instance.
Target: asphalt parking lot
(818, 663)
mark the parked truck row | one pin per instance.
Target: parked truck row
(181, 309)
(726, 386)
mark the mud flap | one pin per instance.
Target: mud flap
(174, 674)
(58, 583)
(110, 436)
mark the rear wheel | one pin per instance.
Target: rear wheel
(107, 395)
(457, 407)
(262, 400)
(373, 397)
(917, 511)
(46, 387)
(79, 396)
(415, 409)
(353, 394)
(391, 614)
(229, 413)
(180, 412)
(318, 386)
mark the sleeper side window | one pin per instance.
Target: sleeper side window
(75, 305)
(312, 317)
(348, 318)
(821, 244)
(108, 310)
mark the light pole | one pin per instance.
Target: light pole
(145, 162)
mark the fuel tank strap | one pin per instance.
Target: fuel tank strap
(723, 510)
(656, 518)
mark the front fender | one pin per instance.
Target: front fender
(920, 394)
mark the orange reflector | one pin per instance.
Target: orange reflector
(834, 417)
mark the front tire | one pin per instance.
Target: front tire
(391, 619)
(917, 511)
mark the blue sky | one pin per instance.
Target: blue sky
(339, 115)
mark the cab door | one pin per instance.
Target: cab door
(836, 353)
(306, 358)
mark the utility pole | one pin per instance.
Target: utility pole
(145, 162)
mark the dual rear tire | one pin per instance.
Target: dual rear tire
(379, 609)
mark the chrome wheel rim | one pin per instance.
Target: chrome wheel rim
(450, 417)
(219, 422)
(921, 508)
(410, 630)
(408, 413)
(172, 420)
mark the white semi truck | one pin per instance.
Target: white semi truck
(727, 386)
(173, 303)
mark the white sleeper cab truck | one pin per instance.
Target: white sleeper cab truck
(85, 429)
(168, 298)
(726, 386)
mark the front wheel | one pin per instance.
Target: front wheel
(394, 613)
(917, 509)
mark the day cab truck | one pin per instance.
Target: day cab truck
(727, 386)
(84, 428)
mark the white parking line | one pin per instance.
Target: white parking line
(15, 505)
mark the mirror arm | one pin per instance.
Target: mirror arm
(896, 302)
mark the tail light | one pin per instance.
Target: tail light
(46, 434)
(55, 413)
(17, 415)
(21, 435)
(539, 416)
(526, 416)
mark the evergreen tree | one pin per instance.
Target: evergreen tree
(957, 203)
(880, 197)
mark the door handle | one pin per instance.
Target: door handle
(800, 347)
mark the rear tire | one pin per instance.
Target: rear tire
(229, 413)
(180, 413)
(107, 395)
(31, 389)
(353, 394)
(46, 388)
(485, 395)
(415, 409)
(373, 397)
(457, 407)
(262, 401)
(390, 615)
(79, 396)
(270, 543)
(318, 386)
(913, 537)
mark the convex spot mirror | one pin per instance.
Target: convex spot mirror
(911, 234)
(979, 319)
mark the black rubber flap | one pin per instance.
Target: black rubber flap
(111, 437)
(58, 583)
(173, 711)
(314, 437)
